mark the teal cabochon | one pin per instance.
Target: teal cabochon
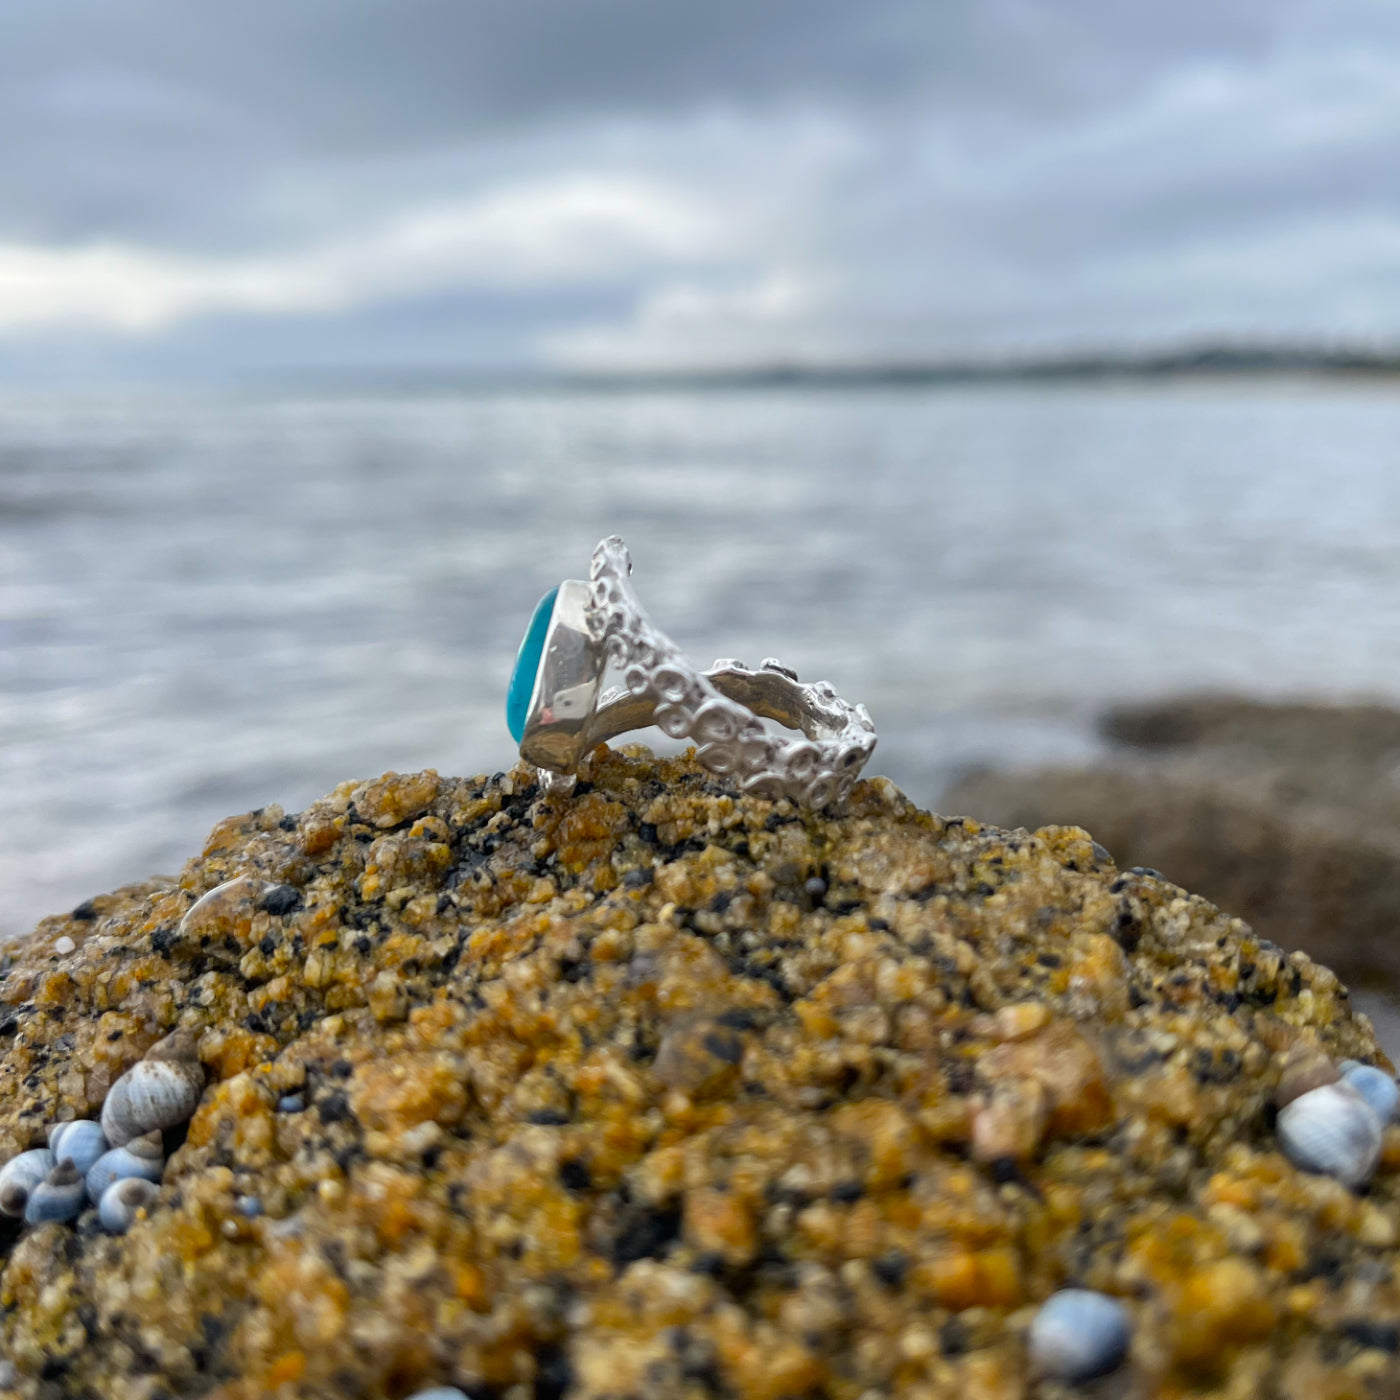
(527, 665)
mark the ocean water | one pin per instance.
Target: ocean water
(213, 602)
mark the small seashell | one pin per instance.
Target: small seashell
(20, 1175)
(1078, 1335)
(1332, 1130)
(157, 1092)
(122, 1199)
(1304, 1068)
(1375, 1086)
(226, 911)
(59, 1196)
(143, 1157)
(81, 1142)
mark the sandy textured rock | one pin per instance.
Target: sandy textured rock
(1286, 814)
(656, 1092)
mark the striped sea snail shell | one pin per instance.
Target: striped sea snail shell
(1332, 1130)
(157, 1092)
(20, 1175)
(59, 1196)
(81, 1142)
(1375, 1086)
(122, 1199)
(141, 1157)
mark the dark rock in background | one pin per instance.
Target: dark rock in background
(1285, 814)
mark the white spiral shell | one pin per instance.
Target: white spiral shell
(81, 1142)
(20, 1175)
(122, 1199)
(59, 1196)
(157, 1092)
(141, 1157)
(1333, 1131)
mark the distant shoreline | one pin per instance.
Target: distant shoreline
(1199, 363)
(1193, 363)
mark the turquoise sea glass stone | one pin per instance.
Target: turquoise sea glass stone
(527, 665)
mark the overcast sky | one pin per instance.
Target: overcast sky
(401, 184)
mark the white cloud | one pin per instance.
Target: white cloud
(686, 325)
(552, 232)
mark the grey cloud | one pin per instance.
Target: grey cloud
(157, 117)
(970, 171)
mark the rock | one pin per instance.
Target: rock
(657, 1090)
(1285, 814)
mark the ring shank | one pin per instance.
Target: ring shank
(765, 694)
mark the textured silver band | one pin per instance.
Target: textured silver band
(720, 710)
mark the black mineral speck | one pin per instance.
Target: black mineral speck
(1373, 1333)
(891, 1268)
(575, 1175)
(281, 899)
(334, 1108)
(725, 1045)
(553, 1373)
(644, 1233)
(86, 912)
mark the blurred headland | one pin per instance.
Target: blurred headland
(1205, 360)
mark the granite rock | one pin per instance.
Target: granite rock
(656, 1091)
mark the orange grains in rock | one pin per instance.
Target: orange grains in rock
(395, 1094)
(1222, 1304)
(395, 798)
(603, 1098)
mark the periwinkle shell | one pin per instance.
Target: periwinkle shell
(122, 1199)
(1079, 1334)
(81, 1142)
(157, 1092)
(1333, 1131)
(141, 1157)
(59, 1196)
(20, 1175)
(1375, 1086)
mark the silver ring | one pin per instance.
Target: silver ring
(580, 629)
